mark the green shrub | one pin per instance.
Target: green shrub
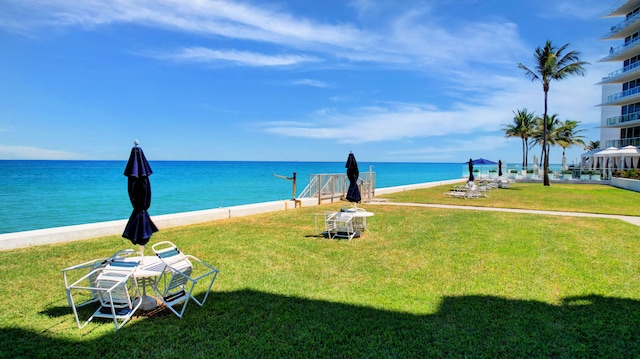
(631, 174)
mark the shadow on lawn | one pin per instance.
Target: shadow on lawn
(251, 324)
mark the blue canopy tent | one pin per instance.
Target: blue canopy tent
(480, 163)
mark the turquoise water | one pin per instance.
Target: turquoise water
(45, 194)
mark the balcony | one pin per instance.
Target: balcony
(634, 141)
(627, 73)
(623, 29)
(620, 121)
(623, 51)
(624, 97)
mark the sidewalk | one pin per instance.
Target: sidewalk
(630, 219)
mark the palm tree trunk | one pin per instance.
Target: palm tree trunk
(523, 152)
(526, 157)
(544, 142)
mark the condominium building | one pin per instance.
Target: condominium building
(620, 107)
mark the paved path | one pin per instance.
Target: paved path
(631, 219)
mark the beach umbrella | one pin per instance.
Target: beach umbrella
(499, 168)
(564, 163)
(353, 193)
(470, 170)
(140, 227)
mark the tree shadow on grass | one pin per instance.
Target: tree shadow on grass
(248, 323)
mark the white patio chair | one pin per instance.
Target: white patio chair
(341, 224)
(116, 291)
(73, 273)
(183, 272)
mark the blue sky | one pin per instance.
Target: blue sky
(288, 80)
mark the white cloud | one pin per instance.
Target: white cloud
(35, 153)
(412, 38)
(584, 9)
(479, 112)
(204, 55)
(310, 82)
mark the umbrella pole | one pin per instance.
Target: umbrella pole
(141, 250)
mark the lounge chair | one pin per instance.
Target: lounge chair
(470, 190)
(182, 273)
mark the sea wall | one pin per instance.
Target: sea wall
(85, 231)
(92, 230)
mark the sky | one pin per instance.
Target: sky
(289, 80)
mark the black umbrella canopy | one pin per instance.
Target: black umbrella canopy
(353, 193)
(140, 227)
(499, 168)
(471, 170)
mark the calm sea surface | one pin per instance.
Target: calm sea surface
(45, 194)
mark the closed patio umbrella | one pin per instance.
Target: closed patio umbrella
(353, 193)
(499, 168)
(140, 227)
(470, 170)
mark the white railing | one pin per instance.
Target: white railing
(333, 187)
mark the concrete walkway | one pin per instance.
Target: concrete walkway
(630, 219)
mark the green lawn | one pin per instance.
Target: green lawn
(591, 198)
(423, 283)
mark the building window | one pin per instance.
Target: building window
(631, 132)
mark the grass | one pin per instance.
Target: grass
(590, 198)
(423, 283)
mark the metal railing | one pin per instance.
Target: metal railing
(333, 187)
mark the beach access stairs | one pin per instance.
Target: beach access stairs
(330, 187)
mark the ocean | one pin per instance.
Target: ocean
(46, 194)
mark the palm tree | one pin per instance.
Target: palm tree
(552, 64)
(522, 127)
(568, 135)
(547, 136)
(593, 145)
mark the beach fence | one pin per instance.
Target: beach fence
(330, 187)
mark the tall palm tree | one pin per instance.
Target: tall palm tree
(552, 63)
(593, 145)
(522, 127)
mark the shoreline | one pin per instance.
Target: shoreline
(24, 239)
